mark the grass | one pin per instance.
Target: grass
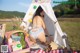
(69, 25)
(9, 25)
(72, 27)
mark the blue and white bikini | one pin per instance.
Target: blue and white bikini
(36, 33)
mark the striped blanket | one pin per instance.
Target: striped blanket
(54, 51)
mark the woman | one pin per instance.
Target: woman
(39, 28)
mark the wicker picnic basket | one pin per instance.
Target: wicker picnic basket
(24, 37)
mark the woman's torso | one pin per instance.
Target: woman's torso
(37, 22)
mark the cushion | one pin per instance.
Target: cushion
(54, 45)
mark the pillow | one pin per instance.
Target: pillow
(54, 45)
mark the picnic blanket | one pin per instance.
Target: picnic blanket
(55, 51)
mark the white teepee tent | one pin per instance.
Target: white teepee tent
(50, 20)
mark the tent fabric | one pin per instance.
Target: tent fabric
(50, 20)
(41, 1)
(30, 11)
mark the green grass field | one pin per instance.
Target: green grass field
(69, 25)
(9, 25)
(72, 27)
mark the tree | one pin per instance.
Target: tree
(74, 4)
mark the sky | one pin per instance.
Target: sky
(18, 5)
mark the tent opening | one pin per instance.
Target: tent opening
(48, 22)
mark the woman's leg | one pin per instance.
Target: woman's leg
(44, 41)
(42, 37)
(32, 39)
